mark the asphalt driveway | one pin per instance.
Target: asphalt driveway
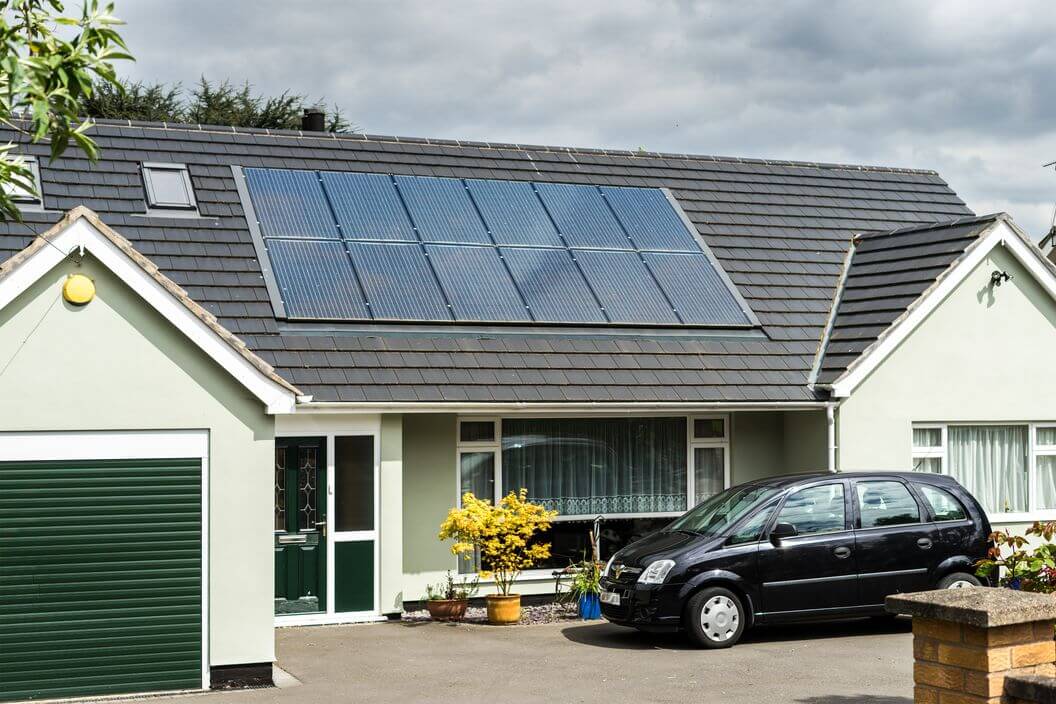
(837, 663)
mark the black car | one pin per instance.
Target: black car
(797, 547)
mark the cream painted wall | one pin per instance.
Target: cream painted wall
(756, 446)
(805, 441)
(982, 355)
(390, 520)
(115, 364)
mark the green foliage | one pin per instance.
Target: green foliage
(580, 579)
(50, 64)
(208, 103)
(1017, 566)
(452, 589)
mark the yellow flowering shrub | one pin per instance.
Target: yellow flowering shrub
(501, 533)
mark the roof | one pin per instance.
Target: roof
(884, 275)
(779, 229)
(54, 239)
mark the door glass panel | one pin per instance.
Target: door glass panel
(944, 505)
(478, 474)
(280, 488)
(476, 431)
(354, 483)
(307, 465)
(708, 472)
(818, 509)
(709, 428)
(886, 504)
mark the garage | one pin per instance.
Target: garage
(103, 563)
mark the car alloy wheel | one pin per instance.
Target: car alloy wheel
(720, 618)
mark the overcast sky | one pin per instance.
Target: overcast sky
(965, 87)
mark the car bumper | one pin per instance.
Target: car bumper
(649, 608)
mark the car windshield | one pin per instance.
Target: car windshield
(722, 510)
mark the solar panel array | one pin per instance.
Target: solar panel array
(358, 246)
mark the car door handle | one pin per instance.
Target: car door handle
(924, 543)
(842, 552)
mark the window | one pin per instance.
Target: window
(22, 195)
(1008, 468)
(354, 483)
(591, 466)
(168, 187)
(476, 431)
(710, 451)
(816, 509)
(752, 529)
(944, 505)
(885, 504)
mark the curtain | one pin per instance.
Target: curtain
(991, 462)
(587, 466)
(709, 472)
(1046, 481)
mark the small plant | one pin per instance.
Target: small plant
(1016, 566)
(503, 535)
(453, 590)
(581, 579)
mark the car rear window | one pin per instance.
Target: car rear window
(886, 503)
(944, 505)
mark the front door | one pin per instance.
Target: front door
(814, 569)
(300, 526)
(897, 549)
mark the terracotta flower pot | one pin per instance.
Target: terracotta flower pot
(446, 609)
(504, 610)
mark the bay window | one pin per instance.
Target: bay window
(1010, 467)
(636, 472)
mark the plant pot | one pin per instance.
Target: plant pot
(503, 610)
(590, 607)
(446, 609)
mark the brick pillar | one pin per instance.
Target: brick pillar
(966, 641)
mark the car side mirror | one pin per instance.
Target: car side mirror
(782, 530)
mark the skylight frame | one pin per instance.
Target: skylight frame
(154, 203)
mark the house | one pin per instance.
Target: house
(244, 374)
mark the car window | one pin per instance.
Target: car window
(816, 509)
(753, 527)
(886, 504)
(944, 505)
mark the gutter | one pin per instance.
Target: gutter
(611, 407)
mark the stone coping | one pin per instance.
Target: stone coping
(983, 607)
(1031, 688)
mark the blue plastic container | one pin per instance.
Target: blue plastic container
(589, 607)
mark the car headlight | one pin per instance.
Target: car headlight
(608, 566)
(656, 572)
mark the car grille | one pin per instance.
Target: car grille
(620, 573)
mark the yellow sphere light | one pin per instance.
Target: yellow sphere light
(78, 289)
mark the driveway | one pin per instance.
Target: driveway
(840, 663)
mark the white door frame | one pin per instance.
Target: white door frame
(328, 429)
(125, 445)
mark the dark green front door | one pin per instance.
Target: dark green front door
(100, 577)
(300, 525)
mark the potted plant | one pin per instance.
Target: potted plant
(447, 600)
(1012, 565)
(584, 588)
(503, 537)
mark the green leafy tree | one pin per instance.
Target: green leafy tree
(208, 103)
(50, 64)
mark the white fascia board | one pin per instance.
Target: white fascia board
(82, 235)
(1001, 233)
(552, 409)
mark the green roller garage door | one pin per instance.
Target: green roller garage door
(100, 577)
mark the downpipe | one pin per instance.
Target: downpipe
(830, 421)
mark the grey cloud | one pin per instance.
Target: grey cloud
(961, 86)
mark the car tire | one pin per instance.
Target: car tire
(715, 618)
(957, 580)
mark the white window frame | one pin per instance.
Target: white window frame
(1033, 452)
(153, 202)
(25, 199)
(694, 443)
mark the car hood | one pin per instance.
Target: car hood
(657, 546)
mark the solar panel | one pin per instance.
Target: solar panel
(624, 287)
(513, 213)
(477, 284)
(398, 282)
(441, 210)
(582, 216)
(290, 204)
(553, 285)
(695, 288)
(362, 246)
(367, 207)
(649, 219)
(316, 279)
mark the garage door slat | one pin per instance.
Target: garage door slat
(100, 582)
